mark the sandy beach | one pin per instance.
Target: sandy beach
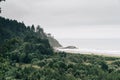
(93, 52)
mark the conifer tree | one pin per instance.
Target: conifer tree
(33, 28)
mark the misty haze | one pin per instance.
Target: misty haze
(60, 39)
(70, 19)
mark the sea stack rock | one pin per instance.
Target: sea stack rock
(71, 47)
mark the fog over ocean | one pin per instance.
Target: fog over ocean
(93, 45)
(72, 19)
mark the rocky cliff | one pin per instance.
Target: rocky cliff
(53, 42)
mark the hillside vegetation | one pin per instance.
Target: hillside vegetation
(25, 54)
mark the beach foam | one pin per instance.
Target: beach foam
(91, 51)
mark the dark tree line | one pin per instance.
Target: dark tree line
(17, 39)
(25, 54)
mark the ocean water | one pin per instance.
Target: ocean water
(93, 45)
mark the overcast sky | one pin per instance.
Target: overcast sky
(68, 18)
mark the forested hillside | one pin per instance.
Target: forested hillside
(25, 54)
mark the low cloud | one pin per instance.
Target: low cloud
(52, 14)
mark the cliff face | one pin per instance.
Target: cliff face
(53, 42)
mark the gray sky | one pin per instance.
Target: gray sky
(68, 18)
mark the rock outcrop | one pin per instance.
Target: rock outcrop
(53, 42)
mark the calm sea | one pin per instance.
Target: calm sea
(100, 45)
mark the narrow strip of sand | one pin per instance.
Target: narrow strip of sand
(93, 52)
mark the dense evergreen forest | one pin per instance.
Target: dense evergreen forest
(25, 54)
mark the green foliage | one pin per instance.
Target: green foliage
(59, 67)
(18, 42)
(27, 55)
(117, 63)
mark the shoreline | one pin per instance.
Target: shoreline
(92, 52)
